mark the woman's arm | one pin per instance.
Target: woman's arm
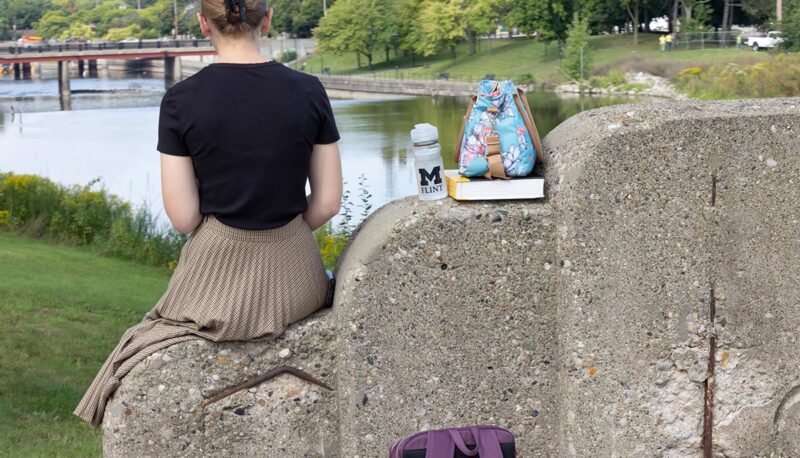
(179, 191)
(325, 177)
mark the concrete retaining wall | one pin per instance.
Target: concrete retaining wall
(356, 87)
(584, 324)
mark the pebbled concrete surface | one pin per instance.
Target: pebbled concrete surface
(582, 323)
(157, 411)
(445, 317)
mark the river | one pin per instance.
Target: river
(112, 136)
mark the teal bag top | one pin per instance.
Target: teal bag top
(498, 137)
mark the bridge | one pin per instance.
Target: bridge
(20, 57)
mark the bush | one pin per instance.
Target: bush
(525, 78)
(614, 78)
(778, 76)
(81, 215)
(331, 243)
(84, 216)
(288, 56)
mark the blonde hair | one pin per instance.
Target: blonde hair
(235, 17)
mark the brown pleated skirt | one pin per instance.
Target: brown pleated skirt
(229, 284)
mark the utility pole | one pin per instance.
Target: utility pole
(175, 14)
(325, 7)
(139, 4)
(779, 11)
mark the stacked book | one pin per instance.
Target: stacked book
(463, 188)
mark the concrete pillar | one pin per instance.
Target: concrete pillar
(104, 69)
(36, 70)
(63, 85)
(172, 70)
(93, 68)
(17, 71)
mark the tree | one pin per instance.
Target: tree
(52, 24)
(480, 18)
(443, 23)
(633, 7)
(439, 26)
(4, 28)
(409, 29)
(700, 19)
(284, 12)
(121, 33)
(308, 17)
(78, 30)
(549, 19)
(791, 29)
(359, 26)
(577, 60)
(25, 13)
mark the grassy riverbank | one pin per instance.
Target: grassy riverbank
(512, 58)
(62, 310)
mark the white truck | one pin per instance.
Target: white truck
(772, 40)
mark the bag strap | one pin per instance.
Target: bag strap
(527, 115)
(488, 443)
(457, 153)
(439, 444)
(494, 157)
(462, 447)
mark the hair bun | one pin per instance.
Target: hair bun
(236, 11)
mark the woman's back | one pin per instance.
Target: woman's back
(250, 130)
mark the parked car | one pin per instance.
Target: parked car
(76, 40)
(129, 40)
(772, 40)
(30, 39)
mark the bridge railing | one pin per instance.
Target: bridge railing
(103, 46)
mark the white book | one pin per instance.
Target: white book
(464, 188)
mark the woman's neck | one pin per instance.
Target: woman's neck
(240, 51)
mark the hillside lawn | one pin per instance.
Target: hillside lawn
(510, 58)
(62, 311)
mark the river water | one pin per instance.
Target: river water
(112, 136)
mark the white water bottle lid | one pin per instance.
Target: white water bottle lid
(424, 133)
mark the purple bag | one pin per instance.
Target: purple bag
(467, 442)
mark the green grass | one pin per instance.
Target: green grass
(62, 311)
(511, 58)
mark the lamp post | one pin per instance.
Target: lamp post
(175, 19)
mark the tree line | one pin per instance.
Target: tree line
(425, 27)
(418, 27)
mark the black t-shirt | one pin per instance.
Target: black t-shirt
(250, 130)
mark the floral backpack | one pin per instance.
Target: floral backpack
(498, 137)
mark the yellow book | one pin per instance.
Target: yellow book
(463, 188)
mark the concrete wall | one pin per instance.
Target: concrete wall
(353, 86)
(656, 205)
(583, 323)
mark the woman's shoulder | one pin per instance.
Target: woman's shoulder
(301, 79)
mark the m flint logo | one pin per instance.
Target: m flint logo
(426, 178)
(435, 175)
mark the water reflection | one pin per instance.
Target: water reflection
(118, 145)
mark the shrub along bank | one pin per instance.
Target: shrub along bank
(90, 216)
(777, 76)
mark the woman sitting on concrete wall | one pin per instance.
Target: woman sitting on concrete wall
(238, 142)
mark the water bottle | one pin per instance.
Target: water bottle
(428, 162)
